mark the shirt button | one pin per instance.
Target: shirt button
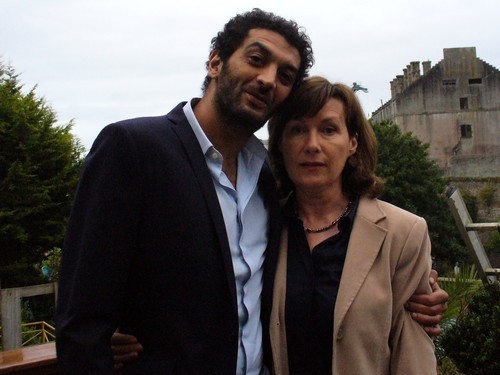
(340, 334)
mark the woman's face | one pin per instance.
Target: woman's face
(315, 149)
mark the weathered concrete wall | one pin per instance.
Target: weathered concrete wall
(473, 166)
(442, 131)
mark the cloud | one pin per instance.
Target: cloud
(103, 61)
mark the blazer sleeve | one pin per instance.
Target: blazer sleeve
(97, 253)
(412, 350)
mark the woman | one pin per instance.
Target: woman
(348, 261)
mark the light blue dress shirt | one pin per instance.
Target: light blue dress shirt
(246, 220)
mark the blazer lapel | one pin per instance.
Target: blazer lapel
(364, 244)
(267, 189)
(199, 166)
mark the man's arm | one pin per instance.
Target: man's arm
(428, 309)
(97, 252)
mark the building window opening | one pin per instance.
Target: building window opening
(475, 81)
(449, 82)
(464, 103)
(466, 131)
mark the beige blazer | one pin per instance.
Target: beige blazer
(388, 259)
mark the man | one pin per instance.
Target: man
(174, 230)
(173, 216)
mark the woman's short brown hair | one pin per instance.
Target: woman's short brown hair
(358, 176)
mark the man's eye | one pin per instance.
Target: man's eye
(286, 79)
(255, 59)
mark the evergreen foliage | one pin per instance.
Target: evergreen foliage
(415, 183)
(39, 168)
(51, 265)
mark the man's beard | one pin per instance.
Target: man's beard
(228, 100)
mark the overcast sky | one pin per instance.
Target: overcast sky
(98, 61)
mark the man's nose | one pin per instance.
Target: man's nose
(267, 76)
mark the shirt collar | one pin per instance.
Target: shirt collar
(253, 152)
(204, 142)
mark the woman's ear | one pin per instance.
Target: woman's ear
(353, 144)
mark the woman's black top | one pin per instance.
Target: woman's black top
(313, 280)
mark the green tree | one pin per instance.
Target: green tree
(415, 183)
(39, 167)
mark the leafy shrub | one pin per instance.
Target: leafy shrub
(447, 367)
(486, 196)
(492, 244)
(460, 287)
(472, 342)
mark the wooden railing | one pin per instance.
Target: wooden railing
(10, 308)
(37, 333)
(468, 231)
(36, 359)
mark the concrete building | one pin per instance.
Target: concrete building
(455, 107)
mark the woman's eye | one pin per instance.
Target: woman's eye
(329, 130)
(296, 130)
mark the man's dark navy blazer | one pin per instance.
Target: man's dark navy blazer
(147, 251)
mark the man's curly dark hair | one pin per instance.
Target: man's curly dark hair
(236, 30)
